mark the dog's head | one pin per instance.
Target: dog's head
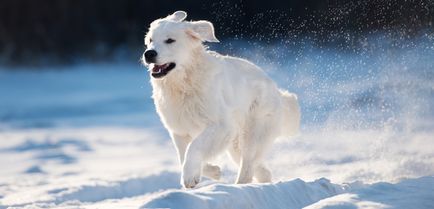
(171, 43)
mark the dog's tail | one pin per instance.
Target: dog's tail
(291, 114)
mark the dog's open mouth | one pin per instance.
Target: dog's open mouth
(159, 71)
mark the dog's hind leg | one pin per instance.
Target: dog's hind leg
(253, 169)
(248, 147)
(259, 136)
(260, 172)
(245, 172)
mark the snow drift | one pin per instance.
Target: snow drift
(289, 194)
(411, 193)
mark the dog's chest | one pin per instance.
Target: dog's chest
(183, 114)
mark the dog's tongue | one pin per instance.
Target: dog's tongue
(159, 68)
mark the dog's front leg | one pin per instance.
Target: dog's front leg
(181, 143)
(209, 143)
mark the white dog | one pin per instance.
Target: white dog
(211, 103)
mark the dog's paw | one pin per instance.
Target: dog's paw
(190, 181)
(212, 171)
(190, 176)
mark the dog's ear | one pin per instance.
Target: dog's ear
(202, 30)
(177, 16)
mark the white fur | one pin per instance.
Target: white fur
(211, 103)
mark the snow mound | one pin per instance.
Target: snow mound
(319, 194)
(411, 193)
(289, 194)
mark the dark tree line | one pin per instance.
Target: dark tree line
(65, 29)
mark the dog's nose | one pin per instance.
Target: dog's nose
(150, 55)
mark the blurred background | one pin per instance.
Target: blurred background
(65, 31)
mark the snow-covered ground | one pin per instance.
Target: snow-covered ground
(87, 136)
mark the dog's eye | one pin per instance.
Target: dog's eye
(150, 40)
(169, 41)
